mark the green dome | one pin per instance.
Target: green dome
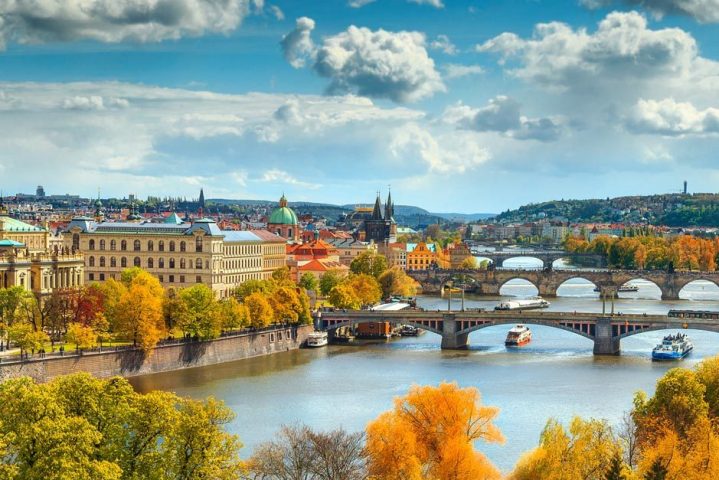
(283, 216)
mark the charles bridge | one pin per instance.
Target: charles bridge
(547, 257)
(606, 331)
(547, 281)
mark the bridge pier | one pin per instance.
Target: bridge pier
(669, 292)
(450, 339)
(604, 341)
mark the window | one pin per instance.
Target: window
(91, 261)
(198, 244)
(150, 263)
(123, 262)
(91, 277)
(76, 241)
(150, 246)
(172, 245)
(102, 261)
(123, 245)
(161, 263)
(161, 246)
(198, 279)
(172, 263)
(162, 278)
(113, 245)
(113, 262)
(102, 244)
(198, 264)
(183, 246)
(136, 261)
(102, 277)
(183, 264)
(136, 245)
(92, 244)
(172, 279)
(182, 279)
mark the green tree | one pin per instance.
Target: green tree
(656, 472)
(247, 288)
(369, 263)
(199, 316)
(616, 469)
(11, 300)
(309, 282)
(342, 296)
(395, 281)
(329, 280)
(25, 337)
(233, 314)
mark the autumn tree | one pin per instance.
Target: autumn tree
(430, 433)
(309, 282)
(330, 279)
(365, 287)
(395, 281)
(469, 263)
(198, 315)
(139, 314)
(369, 263)
(343, 296)
(259, 310)
(233, 314)
(83, 336)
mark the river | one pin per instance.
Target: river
(554, 376)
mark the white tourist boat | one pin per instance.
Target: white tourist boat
(317, 339)
(673, 347)
(518, 335)
(523, 304)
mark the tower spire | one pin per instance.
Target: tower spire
(377, 211)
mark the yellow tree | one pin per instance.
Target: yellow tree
(396, 282)
(366, 288)
(343, 296)
(83, 336)
(259, 310)
(285, 304)
(140, 313)
(430, 434)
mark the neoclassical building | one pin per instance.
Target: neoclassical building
(28, 260)
(178, 253)
(283, 222)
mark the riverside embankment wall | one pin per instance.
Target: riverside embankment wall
(163, 358)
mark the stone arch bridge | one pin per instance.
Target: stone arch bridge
(489, 282)
(547, 257)
(606, 331)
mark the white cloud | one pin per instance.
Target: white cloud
(93, 102)
(277, 12)
(704, 11)
(432, 3)
(297, 45)
(444, 44)
(623, 49)
(450, 153)
(359, 3)
(42, 21)
(671, 118)
(454, 70)
(280, 176)
(502, 115)
(379, 64)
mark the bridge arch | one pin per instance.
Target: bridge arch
(349, 323)
(585, 288)
(705, 328)
(540, 263)
(586, 333)
(518, 281)
(707, 292)
(651, 291)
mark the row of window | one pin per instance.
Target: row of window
(170, 278)
(137, 262)
(137, 245)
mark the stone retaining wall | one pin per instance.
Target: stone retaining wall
(163, 358)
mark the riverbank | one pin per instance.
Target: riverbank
(163, 358)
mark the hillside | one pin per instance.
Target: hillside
(675, 210)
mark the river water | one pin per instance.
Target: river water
(556, 375)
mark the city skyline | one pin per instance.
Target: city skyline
(507, 102)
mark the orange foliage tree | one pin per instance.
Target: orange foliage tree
(430, 435)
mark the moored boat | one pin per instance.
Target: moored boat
(410, 331)
(623, 289)
(673, 347)
(518, 335)
(317, 339)
(523, 304)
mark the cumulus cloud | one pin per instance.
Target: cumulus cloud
(622, 49)
(502, 115)
(379, 64)
(93, 102)
(444, 44)
(704, 11)
(297, 45)
(454, 70)
(443, 154)
(671, 118)
(42, 21)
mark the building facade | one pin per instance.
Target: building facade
(283, 222)
(379, 228)
(178, 253)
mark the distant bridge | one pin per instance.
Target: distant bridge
(489, 282)
(547, 257)
(606, 331)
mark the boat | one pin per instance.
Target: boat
(518, 335)
(623, 289)
(317, 339)
(410, 331)
(343, 335)
(523, 304)
(673, 347)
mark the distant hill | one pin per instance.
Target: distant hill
(674, 210)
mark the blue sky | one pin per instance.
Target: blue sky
(472, 106)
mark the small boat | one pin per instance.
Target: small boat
(673, 347)
(317, 339)
(517, 336)
(409, 331)
(523, 304)
(623, 289)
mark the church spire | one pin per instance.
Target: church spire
(389, 207)
(377, 211)
(201, 201)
